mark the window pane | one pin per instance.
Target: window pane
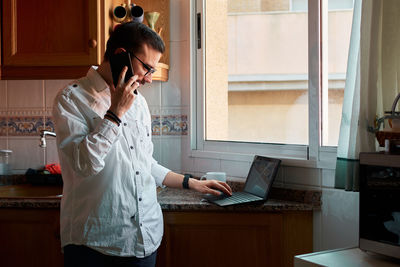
(339, 30)
(256, 64)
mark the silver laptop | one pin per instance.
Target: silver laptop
(258, 183)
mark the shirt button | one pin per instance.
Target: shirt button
(125, 124)
(131, 147)
(137, 173)
(75, 85)
(140, 199)
(140, 224)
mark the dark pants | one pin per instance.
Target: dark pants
(83, 256)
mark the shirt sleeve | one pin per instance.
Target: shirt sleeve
(158, 172)
(84, 149)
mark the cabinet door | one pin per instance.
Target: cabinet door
(30, 237)
(50, 33)
(210, 239)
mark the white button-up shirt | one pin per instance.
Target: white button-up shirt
(109, 198)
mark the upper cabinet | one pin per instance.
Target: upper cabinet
(47, 39)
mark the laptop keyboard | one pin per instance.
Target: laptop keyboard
(237, 197)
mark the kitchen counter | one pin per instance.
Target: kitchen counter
(30, 196)
(170, 199)
(278, 229)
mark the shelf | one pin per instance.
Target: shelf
(162, 72)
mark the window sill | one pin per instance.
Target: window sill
(327, 158)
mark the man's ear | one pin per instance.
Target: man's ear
(119, 50)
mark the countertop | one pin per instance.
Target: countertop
(170, 199)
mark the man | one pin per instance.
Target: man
(109, 210)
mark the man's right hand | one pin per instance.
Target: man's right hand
(123, 96)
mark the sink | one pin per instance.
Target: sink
(30, 191)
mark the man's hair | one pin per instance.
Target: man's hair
(131, 36)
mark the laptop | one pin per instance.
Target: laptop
(262, 174)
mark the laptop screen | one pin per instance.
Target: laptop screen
(261, 175)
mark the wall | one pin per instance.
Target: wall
(25, 109)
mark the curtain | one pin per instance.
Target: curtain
(360, 94)
(372, 83)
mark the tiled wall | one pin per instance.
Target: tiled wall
(26, 109)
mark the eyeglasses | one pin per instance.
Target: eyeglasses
(149, 69)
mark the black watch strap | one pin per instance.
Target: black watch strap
(185, 183)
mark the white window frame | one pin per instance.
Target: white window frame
(312, 155)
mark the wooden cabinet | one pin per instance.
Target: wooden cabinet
(234, 239)
(30, 237)
(47, 39)
(50, 39)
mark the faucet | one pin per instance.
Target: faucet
(43, 134)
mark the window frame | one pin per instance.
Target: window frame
(313, 155)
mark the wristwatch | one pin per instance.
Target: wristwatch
(185, 183)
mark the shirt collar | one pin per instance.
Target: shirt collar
(96, 79)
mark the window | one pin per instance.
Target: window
(260, 85)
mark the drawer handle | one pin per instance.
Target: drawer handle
(92, 43)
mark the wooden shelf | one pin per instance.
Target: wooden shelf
(162, 72)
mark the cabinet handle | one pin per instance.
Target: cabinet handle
(92, 43)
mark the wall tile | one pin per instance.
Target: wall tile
(340, 222)
(317, 231)
(156, 125)
(235, 168)
(152, 93)
(179, 20)
(170, 153)
(328, 178)
(3, 94)
(173, 122)
(3, 126)
(171, 90)
(157, 148)
(184, 73)
(25, 125)
(3, 143)
(51, 88)
(25, 94)
(302, 176)
(174, 125)
(51, 151)
(26, 153)
(203, 165)
(187, 161)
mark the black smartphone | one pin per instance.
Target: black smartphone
(117, 63)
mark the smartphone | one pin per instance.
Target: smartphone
(117, 63)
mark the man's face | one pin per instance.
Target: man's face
(144, 63)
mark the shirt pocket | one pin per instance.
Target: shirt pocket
(144, 134)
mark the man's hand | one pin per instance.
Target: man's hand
(175, 180)
(210, 187)
(123, 96)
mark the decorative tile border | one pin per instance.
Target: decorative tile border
(24, 126)
(174, 125)
(32, 125)
(155, 124)
(3, 126)
(49, 124)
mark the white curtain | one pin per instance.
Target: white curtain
(372, 82)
